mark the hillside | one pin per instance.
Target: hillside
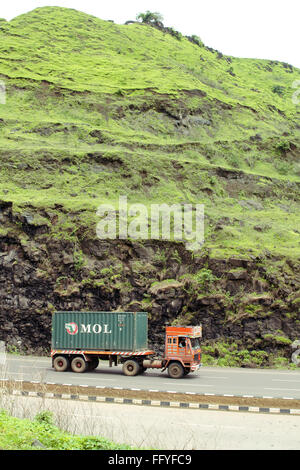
(95, 111)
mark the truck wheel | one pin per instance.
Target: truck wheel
(93, 364)
(175, 370)
(61, 363)
(131, 368)
(78, 364)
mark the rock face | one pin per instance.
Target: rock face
(235, 299)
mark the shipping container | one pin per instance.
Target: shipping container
(111, 331)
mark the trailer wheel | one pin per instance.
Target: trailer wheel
(131, 367)
(175, 370)
(78, 364)
(61, 363)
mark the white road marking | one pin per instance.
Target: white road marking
(213, 377)
(210, 425)
(283, 380)
(16, 373)
(32, 367)
(84, 415)
(190, 385)
(96, 378)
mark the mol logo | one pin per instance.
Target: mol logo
(72, 328)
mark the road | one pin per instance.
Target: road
(209, 380)
(165, 428)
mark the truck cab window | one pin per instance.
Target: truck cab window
(195, 343)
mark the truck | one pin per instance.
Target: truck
(81, 339)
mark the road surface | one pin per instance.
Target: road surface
(211, 380)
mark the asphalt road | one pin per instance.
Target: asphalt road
(208, 380)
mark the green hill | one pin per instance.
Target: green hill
(96, 110)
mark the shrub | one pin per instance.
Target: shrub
(278, 89)
(174, 33)
(204, 276)
(195, 39)
(283, 146)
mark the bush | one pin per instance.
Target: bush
(278, 89)
(195, 40)
(174, 33)
(45, 417)
(204, 277)
(283, 146)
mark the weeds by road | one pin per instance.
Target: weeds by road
(41, 433)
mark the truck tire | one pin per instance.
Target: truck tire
(78, 364)
(176, 370)
(61, 363)
(131, 367)
(93, 364)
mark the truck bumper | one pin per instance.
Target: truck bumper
(195, 367)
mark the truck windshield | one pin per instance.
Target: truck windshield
(195, 343)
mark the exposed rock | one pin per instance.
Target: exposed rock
(239, 274)
(37, 443)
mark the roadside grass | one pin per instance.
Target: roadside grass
(230, 354)
(23, 434)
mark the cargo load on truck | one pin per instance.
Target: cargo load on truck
(81, 339)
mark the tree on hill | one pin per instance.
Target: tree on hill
(150, 17)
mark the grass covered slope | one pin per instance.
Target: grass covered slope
(41, 434)
(95, 110)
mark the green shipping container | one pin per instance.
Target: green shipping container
(111, 331)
